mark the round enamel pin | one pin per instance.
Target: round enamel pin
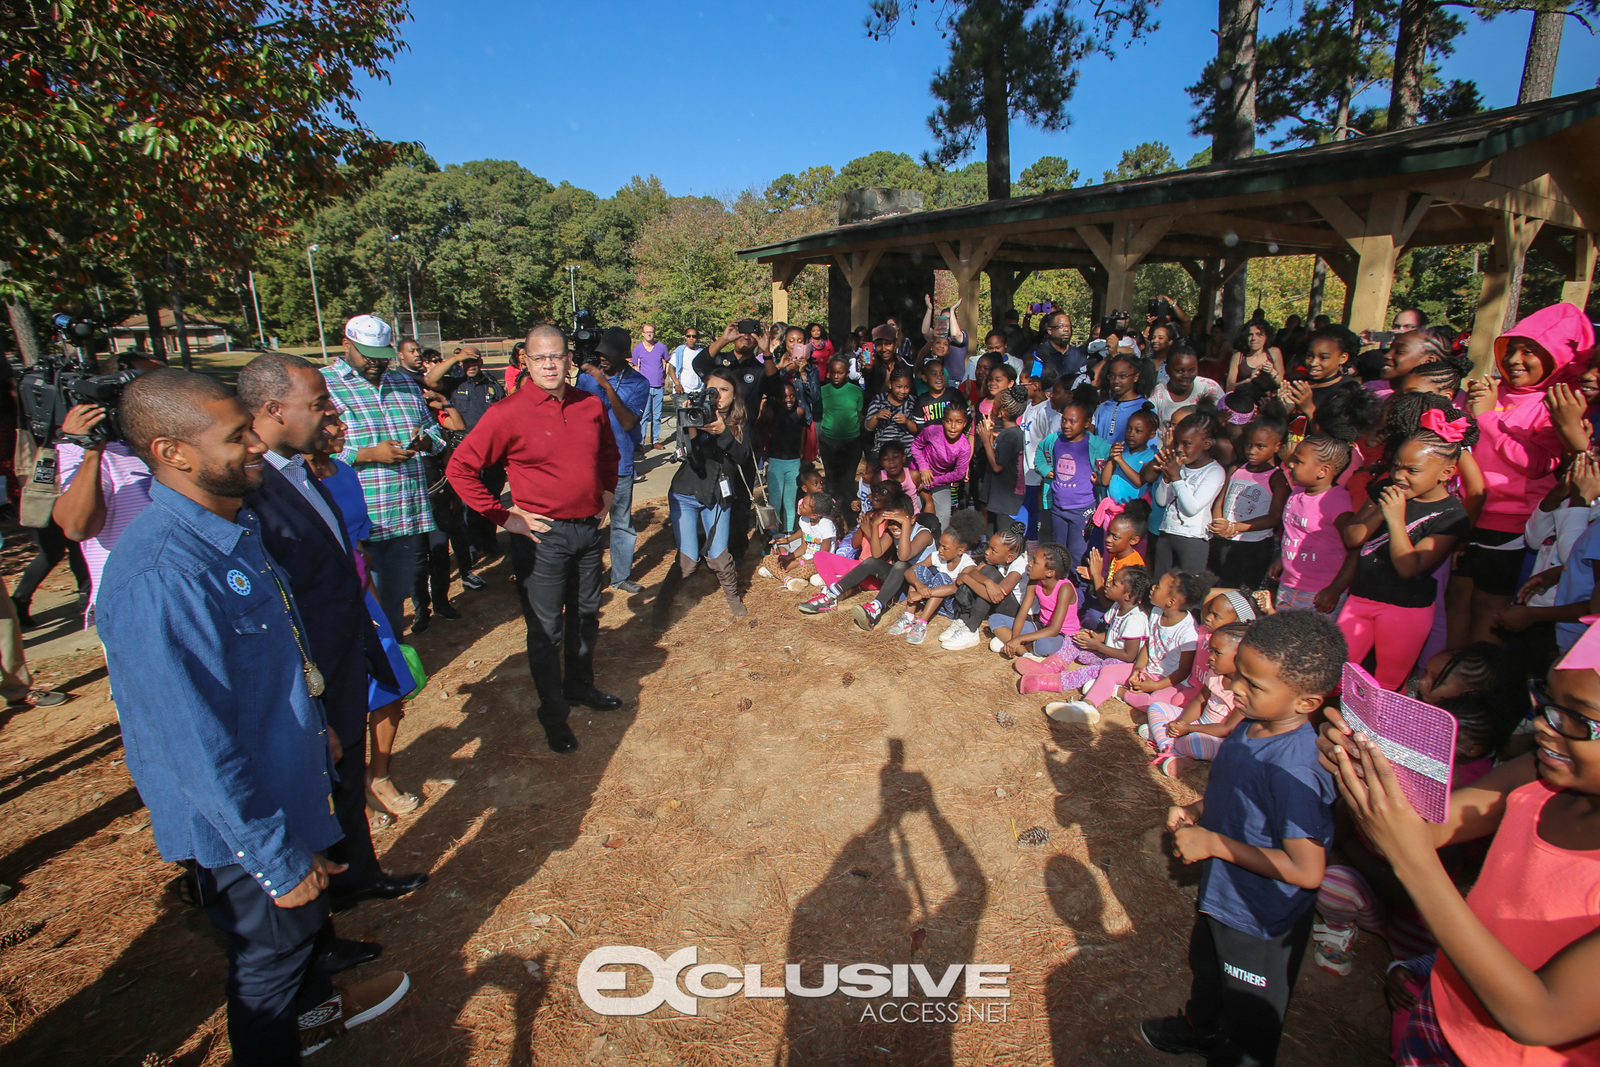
(239, 583)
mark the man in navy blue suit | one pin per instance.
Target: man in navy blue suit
(303, 529)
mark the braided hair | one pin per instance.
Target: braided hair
(1057, 558)
(1136, 513)
(1405, 425)
(1204, 417)
(1446, 373)
(1137, 579)
(1012, 401)
(1015, 536)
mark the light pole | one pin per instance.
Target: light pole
(261, 332)
(411, 303)
(572, 278)
(394, 314)
(322, 337)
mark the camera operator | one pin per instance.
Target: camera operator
(561, 459)
(702, 497)
(756, 385)
(626, 394)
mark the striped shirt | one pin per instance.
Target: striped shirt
(125, 486)
(397, 493)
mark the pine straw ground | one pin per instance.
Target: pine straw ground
(747, 801)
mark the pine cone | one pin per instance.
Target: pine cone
(18, 934)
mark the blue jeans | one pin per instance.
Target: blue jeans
(696, 526)
(650, 425)
(623, 536)
(783, 485)
(394, 566)
(1045, 646)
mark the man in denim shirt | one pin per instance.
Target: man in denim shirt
(225, 740)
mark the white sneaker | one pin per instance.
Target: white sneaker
(996, 645)
(964, 640)
(901, 625)
(796, 585)
(765, 573)
(953, 631)
(1143, 730)
(816, 580)
(1079, 711)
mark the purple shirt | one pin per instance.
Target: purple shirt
(948, 460)
(648, 360)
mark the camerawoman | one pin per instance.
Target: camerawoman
(702, 495)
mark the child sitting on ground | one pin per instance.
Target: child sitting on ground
(1122, 642)
(989, 588)
(1262, 831)
(894, 539)
(1168, 657)
(933, 584)
(1051, 598)
(866, 478)
(1195, 731)
(793, 552)
(892, 468)
(1123, 534)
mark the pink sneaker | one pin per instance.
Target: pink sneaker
(1039, 683)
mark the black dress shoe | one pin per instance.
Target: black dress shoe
(347, 954)
(561, 738)
(445, 610)
(383, 889)
(593, 698)
(419, 622)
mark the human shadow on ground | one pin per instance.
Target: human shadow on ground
(1120, 952)
(513, 803)
(873, 906)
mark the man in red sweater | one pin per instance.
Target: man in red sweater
(560, 458)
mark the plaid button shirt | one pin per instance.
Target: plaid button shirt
(397, 493)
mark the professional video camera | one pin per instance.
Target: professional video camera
(1117, 320)
(698, 408)
(58, 382)
(585, 336)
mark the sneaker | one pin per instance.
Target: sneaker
(868, 614)
(818, 604)
(816, 580)
(419, 622)
(1078, 711)
(1333, 952)
(901, 625)
(765, 573)
(1173, 765)
(1143, 731)
(797, 585)
(349, 1007)
(39, 698)
(996, 645)
(472, 581)
(445, 610)
(953, 631)
(1176, 1036)
(917, 632)
(628, 586)
(962, 641)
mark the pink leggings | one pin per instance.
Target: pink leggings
(832, 567)
(1345, 900)
(1113, 674)
(1195, 746)
(1399, 634)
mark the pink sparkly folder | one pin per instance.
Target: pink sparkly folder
(1418, 738)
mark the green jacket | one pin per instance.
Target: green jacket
(1099, 452)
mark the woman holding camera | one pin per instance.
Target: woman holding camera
(701, 498)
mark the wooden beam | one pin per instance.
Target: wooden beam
(1512, 239)
(1280, 233)
(1377, 239)
(783, 275)
(857, 268)
(966, 260)
(1580, 280)
(1120, 251)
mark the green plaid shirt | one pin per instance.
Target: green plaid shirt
(397, 493)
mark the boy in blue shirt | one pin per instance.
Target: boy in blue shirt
(1262, 831)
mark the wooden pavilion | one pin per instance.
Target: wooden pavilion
(1514, 179)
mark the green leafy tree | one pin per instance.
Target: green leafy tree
(1142, 161)
(1049, 174)
(810, 187)
(1010, 59)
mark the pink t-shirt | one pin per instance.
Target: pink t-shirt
(125, 485)
(1313, 550)
(1049, 603)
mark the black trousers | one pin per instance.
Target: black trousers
(839, 462)
(1175, 552)
(972, 609)
(52, 544)
(1241, 564)
(482, 532)
(273, 968)
(559, 580)
(893, 576)
(433, 550)
(1241, 989)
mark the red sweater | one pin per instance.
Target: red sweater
(560, 455)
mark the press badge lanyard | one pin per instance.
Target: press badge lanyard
(314, 683)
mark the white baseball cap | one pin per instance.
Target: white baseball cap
(372, 337)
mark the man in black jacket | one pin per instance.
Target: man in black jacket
(304, 531)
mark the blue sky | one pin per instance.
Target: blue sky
(723, 95)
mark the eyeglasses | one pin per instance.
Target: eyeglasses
(1564, 721)
(536, 360)
(691, 337)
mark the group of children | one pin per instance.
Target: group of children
(1301, 525)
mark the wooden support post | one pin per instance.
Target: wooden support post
(1120, 251)
(1002, 293)
(857, 268)
(1580, 279)
(1095, 279)
(783, 274)
(1513, 236)
(1207, 274)
(966, 260)
(1377, 240)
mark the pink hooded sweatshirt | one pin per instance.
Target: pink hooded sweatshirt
(1519, 449)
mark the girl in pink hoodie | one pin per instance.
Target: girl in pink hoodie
(1518, 453)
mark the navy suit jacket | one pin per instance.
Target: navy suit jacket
(343, 638)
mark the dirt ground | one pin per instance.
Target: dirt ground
(777, 789)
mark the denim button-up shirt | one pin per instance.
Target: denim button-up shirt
(228, 748)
